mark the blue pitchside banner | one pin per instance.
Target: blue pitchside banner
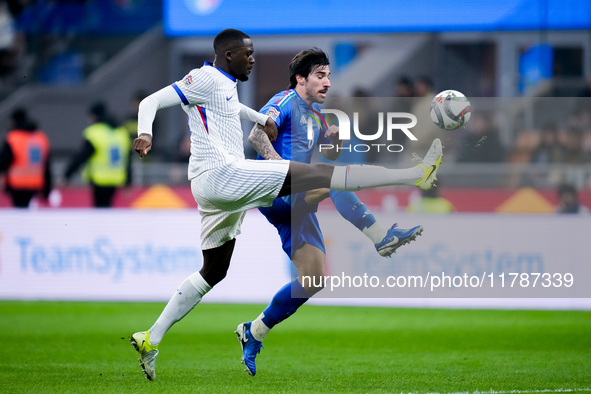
(208, 17)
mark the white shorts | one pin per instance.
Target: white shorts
(224, 194)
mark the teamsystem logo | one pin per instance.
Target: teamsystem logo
(392, 125)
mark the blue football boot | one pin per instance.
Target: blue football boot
(395, 238)
(250, 347)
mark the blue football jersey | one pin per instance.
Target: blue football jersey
(292, 114)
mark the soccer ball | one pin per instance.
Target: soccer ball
(450, 110)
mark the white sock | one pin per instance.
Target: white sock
(258, 329)
(376, 232)
(358, 176)
(186, 297)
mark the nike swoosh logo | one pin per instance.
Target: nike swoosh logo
(229, 98)
(433, 168)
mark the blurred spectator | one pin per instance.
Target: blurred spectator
(425, 130)
(483, 144)
(430, 202)
(130, 121)
(12, 39)
(423, 87)
(526, 143)
(568, 200)
(586, 90)
(107, 151)
(580, 118)
(25, 159)
(183, 150)
(404, 92)
(7, 39)
(587, 143)
(572, 146)
(548, 150)
(368, 110)
(404, 87)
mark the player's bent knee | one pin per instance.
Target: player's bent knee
(315, 196)
(318, 284)
(313, 284)
(323, 170)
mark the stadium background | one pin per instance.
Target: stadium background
(525, 63)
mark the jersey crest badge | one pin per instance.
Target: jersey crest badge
(188, 80)
(273, 113)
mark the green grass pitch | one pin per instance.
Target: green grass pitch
(75, 347)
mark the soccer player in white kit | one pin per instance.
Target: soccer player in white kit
(225, 185)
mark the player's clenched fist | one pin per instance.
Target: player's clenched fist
(143, 144)
(270, 129)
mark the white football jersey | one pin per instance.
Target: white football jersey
(210, 98)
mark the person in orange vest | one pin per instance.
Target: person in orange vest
(25, 161)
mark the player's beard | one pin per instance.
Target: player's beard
(318, 99)
(315, 98)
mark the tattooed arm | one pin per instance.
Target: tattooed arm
(261, 143)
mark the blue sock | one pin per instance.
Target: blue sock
(351, 208)
(283, 305)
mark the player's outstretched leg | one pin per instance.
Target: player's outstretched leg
(356, 177)
(302, 177)
(147, 353)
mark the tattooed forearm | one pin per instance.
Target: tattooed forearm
(260, 142)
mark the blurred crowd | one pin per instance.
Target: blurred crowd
(566, 140)
(104, 155)
(559, 131)
(44, 40)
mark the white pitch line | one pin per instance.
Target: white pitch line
(491, 391)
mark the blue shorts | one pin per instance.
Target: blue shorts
(295, 221)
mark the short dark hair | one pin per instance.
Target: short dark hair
(19, 117)
(21, 120)
(227, 39)
(566, 188)
(404, 80)
(101, 113)
(98, 109)
(424, 80)
(304, 62)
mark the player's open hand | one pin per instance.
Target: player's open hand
(271, 129)
(143, 144)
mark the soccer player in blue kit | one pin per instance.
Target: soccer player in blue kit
(294, 215)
